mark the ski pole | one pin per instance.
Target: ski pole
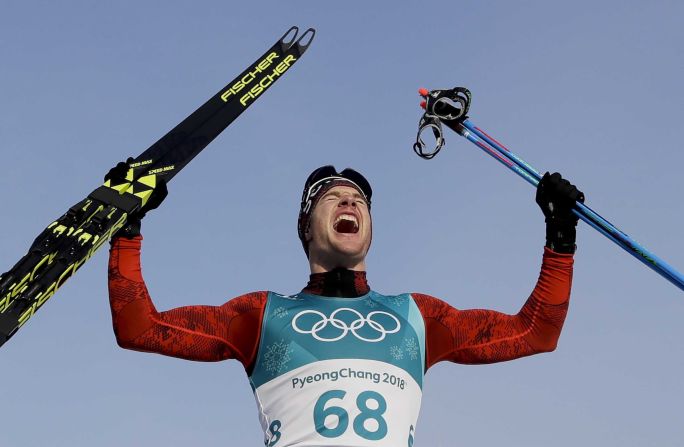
(454, 118)
(583, 211)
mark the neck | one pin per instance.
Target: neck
(338, 282)
(317, 265)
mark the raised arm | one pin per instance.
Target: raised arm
(202, 333)
(485, 336)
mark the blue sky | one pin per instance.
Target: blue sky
(590, 89)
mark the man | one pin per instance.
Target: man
(339, 364)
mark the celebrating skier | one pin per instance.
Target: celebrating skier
(338, 363)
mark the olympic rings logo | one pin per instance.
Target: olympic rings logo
(353, 327)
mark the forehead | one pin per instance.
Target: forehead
(343, 189)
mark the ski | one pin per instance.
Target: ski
(68, 242)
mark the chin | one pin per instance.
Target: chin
(349, 256)
(350, 248)
(348, 252)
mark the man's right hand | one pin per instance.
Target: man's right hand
(117, 175)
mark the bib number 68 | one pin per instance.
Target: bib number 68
(321, 413)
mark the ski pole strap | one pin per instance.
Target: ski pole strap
(440, 105)
(428, 121)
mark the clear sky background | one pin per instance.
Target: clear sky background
(592, 89)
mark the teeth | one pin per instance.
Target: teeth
(348, 217)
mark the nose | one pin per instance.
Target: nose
(347, 200)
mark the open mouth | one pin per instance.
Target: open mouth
(346, 223)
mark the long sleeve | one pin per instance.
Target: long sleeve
(485, 336)
(202, 333)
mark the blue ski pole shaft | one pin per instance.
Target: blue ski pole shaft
(488, 144)
(530, 175)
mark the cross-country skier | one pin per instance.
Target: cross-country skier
(338, 363)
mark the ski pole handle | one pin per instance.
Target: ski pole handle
(448, 105)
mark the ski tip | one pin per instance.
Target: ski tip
(305, 40)
(423, 104)
(286, 39)
(423, 92)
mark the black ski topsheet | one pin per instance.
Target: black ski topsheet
(67, 243)
(175, 149)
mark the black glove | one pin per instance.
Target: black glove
(556, 197)
(131, 229)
